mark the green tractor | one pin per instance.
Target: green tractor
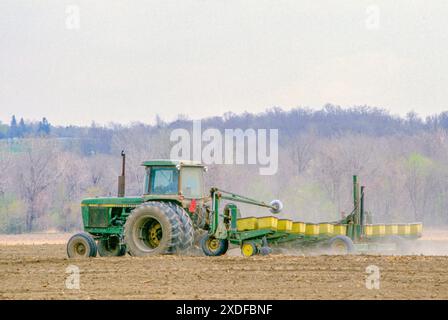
(158, 222)
(172, 216)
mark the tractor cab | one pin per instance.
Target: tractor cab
(174, 178)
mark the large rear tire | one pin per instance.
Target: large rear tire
(81, 245)
(187, 236)
(152, 228)
(111, 247)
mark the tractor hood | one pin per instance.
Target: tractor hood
(112, 201)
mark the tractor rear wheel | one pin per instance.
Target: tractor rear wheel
(341, 245)
(212, 246)
(81, 245)
(152, 228)
(187, 236)
(111, 247)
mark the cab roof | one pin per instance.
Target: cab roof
(170, 162)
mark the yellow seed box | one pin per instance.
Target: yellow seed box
(416, 228)
(368, 230)
(404, 229)
(312, 229)
(298, 227)
(246, 224)
(340, 229)
(379, 230)
(267, 223)
(284, 225)
(326, 228)
(391, 229)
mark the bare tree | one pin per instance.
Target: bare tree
(71, 182)
(329, 171)
(302, 150)
(417, 170)
(5, 165)
(99, 174)
(37, 171)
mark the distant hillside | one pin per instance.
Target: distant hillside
(328, 122)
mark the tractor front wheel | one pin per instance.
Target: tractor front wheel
(212, 246)
(81, 245)
(111, 247)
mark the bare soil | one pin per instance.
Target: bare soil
(38, 271)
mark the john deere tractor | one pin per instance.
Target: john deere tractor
(173, 213)
(160, 221)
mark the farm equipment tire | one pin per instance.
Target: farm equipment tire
(111, 247)
(152, 228)
(212, 246)
(187, 236)
(81, 245)
(249, 249)
(341, 245)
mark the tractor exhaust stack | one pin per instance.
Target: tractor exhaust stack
(121, 179)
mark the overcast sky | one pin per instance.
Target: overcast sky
(130, 60)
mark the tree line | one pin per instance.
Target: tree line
(20, 129)
(46, 170)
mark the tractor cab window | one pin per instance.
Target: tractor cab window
(191, 182)
(164, 181)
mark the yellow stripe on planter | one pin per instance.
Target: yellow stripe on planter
(245, 224)
(284, 225)
(267, 223)
(416, 228)
(340, 229)
(326, 228)
(379, 230)
(391, 229)
(312, 229)
(368, 230)
(298, 227)
(404, 229)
